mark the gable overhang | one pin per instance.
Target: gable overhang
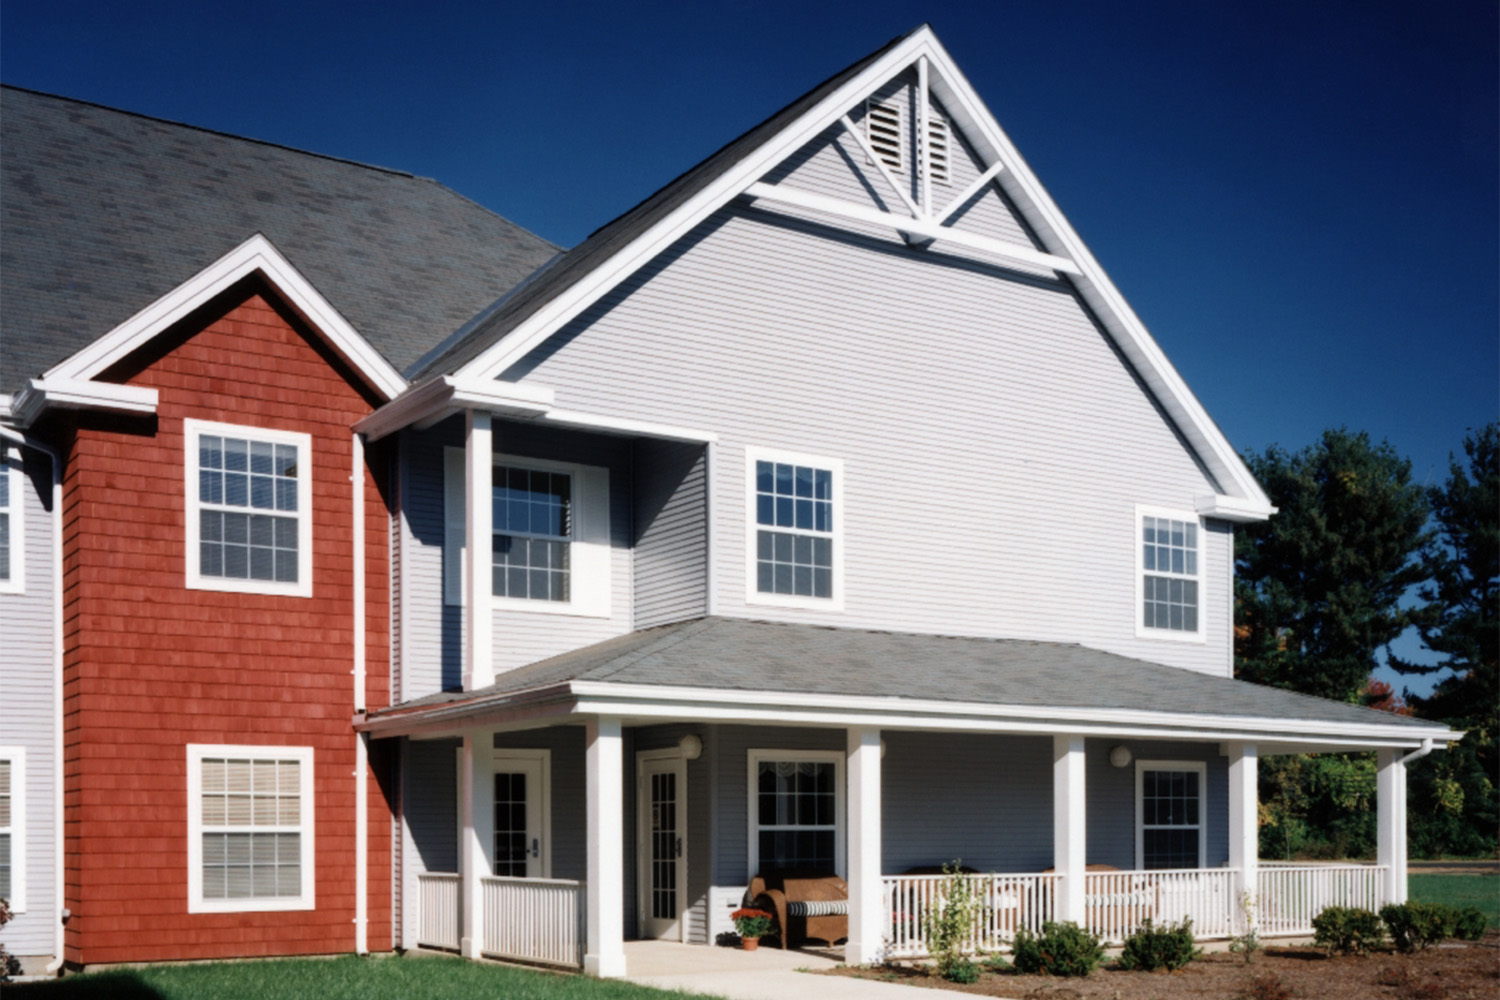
(642, 704)
(1062, 250)
(74, 383)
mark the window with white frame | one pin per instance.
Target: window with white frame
(796, 811)
(1170, 577)
(250, 828)
(249, 509)
(12, 500)
(1169, 814)
(795, 545)
(550, 546)
(13, 827)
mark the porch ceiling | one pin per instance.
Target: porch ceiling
(727, 669)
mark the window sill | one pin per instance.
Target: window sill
(231, 585)
(833, 604)
(1199, 637)
(250, 905)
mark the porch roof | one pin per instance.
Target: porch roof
(744, 662)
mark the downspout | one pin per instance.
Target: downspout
(361, 752)
(1422, 751)
(57, 682)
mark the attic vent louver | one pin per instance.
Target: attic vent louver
(937, 147)
(883, 128)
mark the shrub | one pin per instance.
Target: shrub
(9, 964)
(962, 971)
(1249, 942)
(1167, 947)
(1266, 988)
(1470, 923)
(1347, 930)
(1415, 926)
(1060, 950)
(949, 922)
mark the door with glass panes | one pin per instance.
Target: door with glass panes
(662, 840)
(519, 845)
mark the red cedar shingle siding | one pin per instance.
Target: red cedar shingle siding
(152, 666)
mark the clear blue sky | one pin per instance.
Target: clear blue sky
(1299, 199)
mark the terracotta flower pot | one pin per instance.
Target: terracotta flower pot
(750, 944)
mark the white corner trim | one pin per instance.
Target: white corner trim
(257, 254)
(753, 594)
(12, 470)
(20, 863)
(1199, 635)
(1141, 767)
(306, 828)
(194, 579)
(753, 758)
(1236, 509)
(80, 394)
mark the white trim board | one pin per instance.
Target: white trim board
(12, 470)
(753, 758)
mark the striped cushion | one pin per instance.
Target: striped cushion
(816, 907)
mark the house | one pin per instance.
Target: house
(840, 514)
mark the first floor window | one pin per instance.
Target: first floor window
(13, 827)
(796, 802)
(1170, 599)
(251, 845)
(1170, 807)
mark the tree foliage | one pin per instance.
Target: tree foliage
(1318, 586)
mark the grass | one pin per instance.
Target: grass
(1482, 891)
(346, 978)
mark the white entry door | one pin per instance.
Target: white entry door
(520, 847)
(662, 840)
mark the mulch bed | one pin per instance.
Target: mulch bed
(1453, 971)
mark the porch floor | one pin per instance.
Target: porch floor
(763, 974)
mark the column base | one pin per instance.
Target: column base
(469, 947)
(862, 953)
(604, 966)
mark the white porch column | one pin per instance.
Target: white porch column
(1069, 825)
(476, 809)
(1244, 829)
(1390, 823)
(866, 919)
(604, 953)
(479, 660)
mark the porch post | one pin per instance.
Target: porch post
(1390, 823)
(866, 924)
(476, 809)
(1069, 825)
(604, 953)
(479, 660)
(1244, 835)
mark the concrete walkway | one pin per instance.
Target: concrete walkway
(764, 974)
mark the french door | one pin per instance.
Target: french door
(662, 846)
(519, 847)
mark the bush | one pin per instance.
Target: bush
(1470, 923)
(1347, 930)
(9, 964)
(1266, 988)
(1415, 926)
(962, 971)
(949, 923)
(1061, 950)
(1167, 947)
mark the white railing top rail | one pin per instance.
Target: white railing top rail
(515, 880)
(1321, 865)
(438, 875)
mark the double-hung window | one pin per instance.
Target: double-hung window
(12, 548)
(13, 827)
(249, 515)
(250, 828)
(1170, 601)
(1169, 814)
(795, 524)
(532, 521)
(796, 810)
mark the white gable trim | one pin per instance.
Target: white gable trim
(257, 254)
(1020, 184)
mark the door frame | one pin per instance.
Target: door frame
(493, 765)
(676, 762)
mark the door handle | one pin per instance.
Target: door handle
(678, 848)
(536, 847)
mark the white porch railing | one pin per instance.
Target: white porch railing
(1117, 903)
(439, 895)
(533, 919)
(1289, 896)
(1006, 904)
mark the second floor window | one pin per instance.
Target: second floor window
(533, 526)
(1170, 601)
(794, 538)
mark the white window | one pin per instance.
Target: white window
(796, 811)
(249, 509)
(1169, 574)
(795, 543)
(13, 827)
(250, 828)
(550, 549)
(12, 536)
(1170, 830)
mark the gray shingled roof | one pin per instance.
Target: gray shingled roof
(738, 655)
(615, 235)
(104, 211)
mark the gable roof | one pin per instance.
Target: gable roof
(744, 656)
(103, 212)
(521, 323)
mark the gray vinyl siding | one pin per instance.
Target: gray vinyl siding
(671, 532)
(28, 706)
(1111, 799)
(995, 443)
(431, 638)
(430, 806)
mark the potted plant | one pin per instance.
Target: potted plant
(752, 925)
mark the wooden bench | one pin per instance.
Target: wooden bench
(806, 906)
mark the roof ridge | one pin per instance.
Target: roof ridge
(232, 135)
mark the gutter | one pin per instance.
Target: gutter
(1423, 751)
(58, 853)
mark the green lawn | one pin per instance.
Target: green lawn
(1482, 891)
(347, 978)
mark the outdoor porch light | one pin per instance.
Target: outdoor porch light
(1120, 756)
(691, 746)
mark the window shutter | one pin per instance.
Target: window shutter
(454, 555)
(590, 549)
(937, 146)
(883, 128)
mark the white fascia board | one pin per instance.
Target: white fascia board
(79, 394)
(446, 395)
(255, 254)
(1233, 508)
(628, 428)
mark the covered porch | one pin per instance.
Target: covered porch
(589, 803)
